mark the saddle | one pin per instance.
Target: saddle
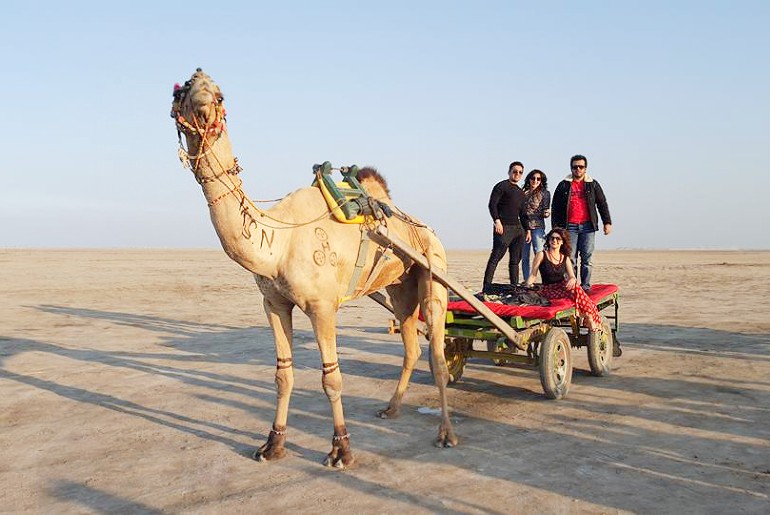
(351, 204)
(348, 200)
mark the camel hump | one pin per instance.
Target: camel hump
(374, 183)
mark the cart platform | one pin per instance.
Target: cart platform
(601, 294)
(542, 337)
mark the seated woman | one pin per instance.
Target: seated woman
(559, 278)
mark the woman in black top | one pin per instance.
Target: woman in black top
(559, 278)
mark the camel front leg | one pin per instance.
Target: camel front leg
(324, 324)
(404, 298)
(279, 315)
(433, 304)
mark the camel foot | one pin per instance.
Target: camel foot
(446, 439)
(274, 448)
(389, 412)
(269, 454)
(340, 457)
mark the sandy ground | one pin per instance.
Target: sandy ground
(141, 381)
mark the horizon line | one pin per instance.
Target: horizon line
(456, 249)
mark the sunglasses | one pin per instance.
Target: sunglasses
(556, 238)
(535, 179)
(517, 172)
(578, 167)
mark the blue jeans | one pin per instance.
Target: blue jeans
(537, 243)
(582, 238)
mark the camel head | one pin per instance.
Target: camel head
(198, 108)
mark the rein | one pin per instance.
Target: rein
(233, 184)
(205, 150)
(216, 129)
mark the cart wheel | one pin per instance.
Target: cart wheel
(498, 346)
(455, 359)
(617, 351)
(600, 351)
(555, 364)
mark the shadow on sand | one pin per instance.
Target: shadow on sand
(709, 438)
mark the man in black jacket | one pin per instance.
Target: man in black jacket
(575, 203)
(508, 210)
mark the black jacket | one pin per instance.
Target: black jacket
(508, 204)
(594, 196)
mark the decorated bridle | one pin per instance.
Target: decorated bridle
(208, 134)
(189, 127)
(203, 131)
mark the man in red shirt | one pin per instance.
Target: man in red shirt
(575, 204)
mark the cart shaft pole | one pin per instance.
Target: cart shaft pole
(382, 300)
(443, 278)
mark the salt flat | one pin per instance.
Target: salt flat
(141, 380)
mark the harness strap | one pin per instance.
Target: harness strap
(382, 260)
(234, 170)
(363, 250)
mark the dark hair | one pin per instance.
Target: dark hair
(543, 180)
(566, 248)
(515, 163)
(577, 157)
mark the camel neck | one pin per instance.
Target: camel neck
(236, 220)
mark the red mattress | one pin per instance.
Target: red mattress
(598, 292)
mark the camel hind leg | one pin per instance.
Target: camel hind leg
(405, 305)
(433, 303)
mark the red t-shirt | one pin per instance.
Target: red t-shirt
(577, 210)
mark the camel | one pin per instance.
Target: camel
(300, 255)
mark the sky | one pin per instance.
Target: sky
(670, 102)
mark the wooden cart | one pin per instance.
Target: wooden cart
(540, 338)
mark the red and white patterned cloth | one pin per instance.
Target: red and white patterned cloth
(598, 293)
(585, 306)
